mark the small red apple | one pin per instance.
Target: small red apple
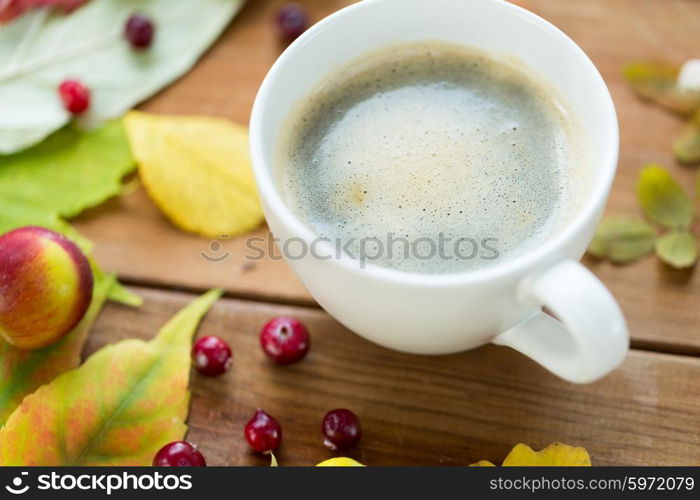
(45, 286)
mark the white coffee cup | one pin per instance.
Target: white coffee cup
(435, 314)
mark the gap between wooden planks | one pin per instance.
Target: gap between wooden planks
(417, 410)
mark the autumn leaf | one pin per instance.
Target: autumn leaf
(483, 463)
(658, 82)
(197, 170)
(68, 172)
(686, 148)
(38, 51)
(24, 371)
(119, 408)
(554, 455)
(663, 200)
(64, 175)
(677, 249)
(622, 240)
(340, 462)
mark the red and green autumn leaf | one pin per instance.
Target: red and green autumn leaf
(24, 371)
(124, 403)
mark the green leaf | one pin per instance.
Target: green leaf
(36, 55)
(61, 177)
(622, 240)
(678, 249)
(25, 371)
(68, 172)
(119, 408)
(657, 82)
(14, 216)
(119, 293)
(664, 201)
(686, 148)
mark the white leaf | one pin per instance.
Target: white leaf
(42, 48)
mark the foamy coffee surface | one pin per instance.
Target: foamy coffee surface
(430, 139)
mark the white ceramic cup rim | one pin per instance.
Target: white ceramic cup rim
(600, 185)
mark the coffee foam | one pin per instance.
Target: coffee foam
(431, 138)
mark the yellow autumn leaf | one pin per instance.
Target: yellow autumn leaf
(197, 170)
(340, 462)
(554, 455)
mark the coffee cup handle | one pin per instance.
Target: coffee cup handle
(589, 339)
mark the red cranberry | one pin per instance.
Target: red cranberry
(179, 454)
(139, 31)
(292, 21)
(75, 96)
(285, 340)
(341, 429)
(263, 432)
(211, 356)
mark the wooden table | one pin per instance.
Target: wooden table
(417, 410)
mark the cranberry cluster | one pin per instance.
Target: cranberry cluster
(285, 340)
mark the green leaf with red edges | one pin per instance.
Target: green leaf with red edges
(119, 408)
(658, 82)
(25, 371)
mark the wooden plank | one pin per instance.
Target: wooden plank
(415, 410)
(134, 240)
